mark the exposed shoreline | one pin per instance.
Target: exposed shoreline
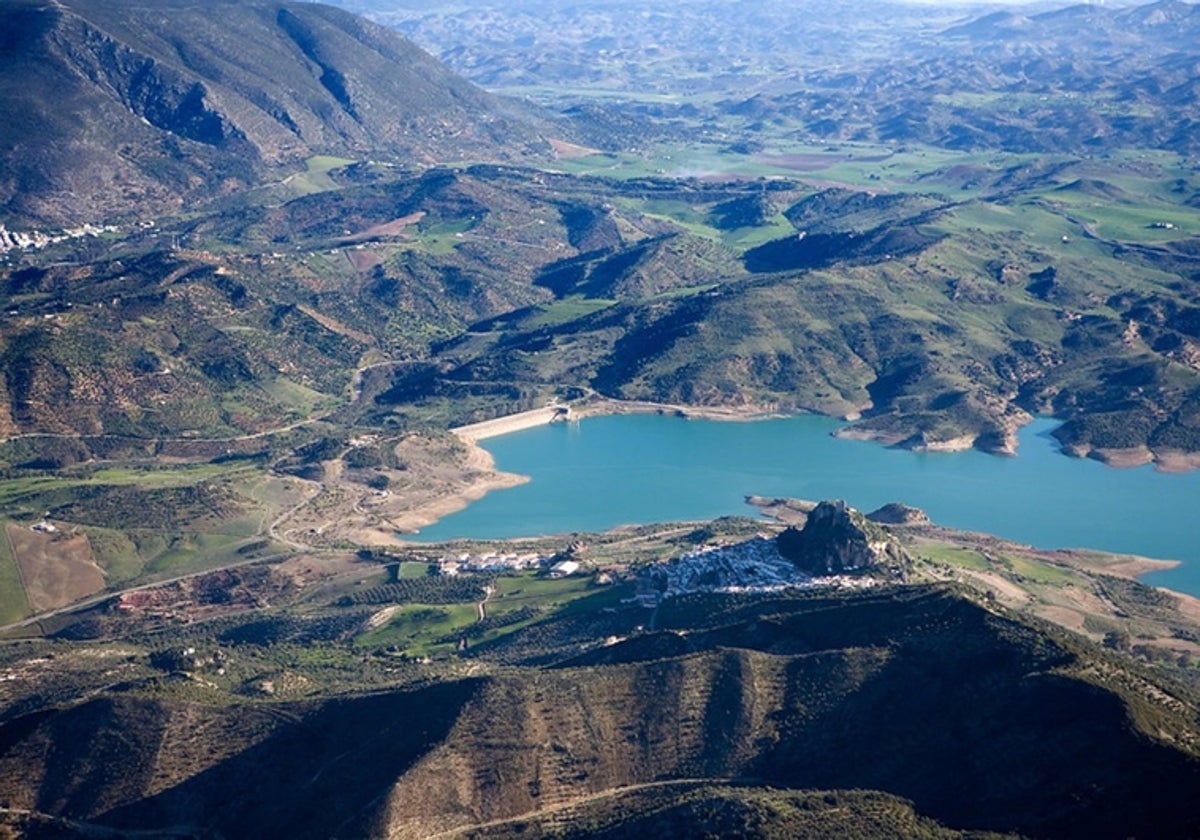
(474, 477)
(740, 414)
(1165, 460)
(422, 516)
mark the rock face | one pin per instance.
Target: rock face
(836, 540)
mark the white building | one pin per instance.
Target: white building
(563, 568)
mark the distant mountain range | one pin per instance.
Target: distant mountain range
(1170, 23)
(1080, 79)
(112, 107)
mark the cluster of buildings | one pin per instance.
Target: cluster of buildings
(455, 564)
(754, 565)
(13, 240)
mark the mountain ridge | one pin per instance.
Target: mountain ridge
(118, 112)
(982, 721)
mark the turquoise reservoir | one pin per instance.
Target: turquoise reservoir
(640, 468)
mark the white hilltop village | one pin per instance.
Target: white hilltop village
(754, 565)
(838, 548)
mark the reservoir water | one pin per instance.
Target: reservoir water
(634, 469)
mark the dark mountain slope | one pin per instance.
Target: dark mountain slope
(735, 811)
(115, 105)
(981, 721)
(304, 770)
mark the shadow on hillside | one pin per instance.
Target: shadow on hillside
(324, 772)
(931, 698)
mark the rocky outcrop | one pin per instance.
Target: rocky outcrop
(896, 513)
(836, 540)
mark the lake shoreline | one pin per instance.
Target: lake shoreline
(1164, 460)
(479, 477)
(741, 414)
(1092, 504)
